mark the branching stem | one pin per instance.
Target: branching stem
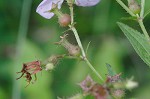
(140, 18)
(126, 8)
(80, 44)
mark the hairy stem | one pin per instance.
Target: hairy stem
(140, 21)
(80, 44)
(125, 7)
(78, 40)
(142, 8)
(93, 69)
(83, 52)
(71, 12)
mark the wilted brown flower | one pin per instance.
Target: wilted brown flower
(30, 68)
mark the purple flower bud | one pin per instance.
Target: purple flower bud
(45, 7)
(85, 3)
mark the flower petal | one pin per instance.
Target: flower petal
(46, 5)
(85, 3)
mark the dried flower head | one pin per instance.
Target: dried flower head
(118, 93)
(112, 79)
(99, 92)
(87, 84)
(29, 69)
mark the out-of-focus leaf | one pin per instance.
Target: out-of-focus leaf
(111, 72)
(138, 41)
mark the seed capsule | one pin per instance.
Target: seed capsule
(134, 6)
(64, 20)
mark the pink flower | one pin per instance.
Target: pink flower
(87, 84)
(85, 3)
(112, 79)
(45, 7)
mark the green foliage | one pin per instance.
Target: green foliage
(147, 13)
(138, 41)
(111, 72)
(95, 24)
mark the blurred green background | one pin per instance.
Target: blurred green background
(26, 36)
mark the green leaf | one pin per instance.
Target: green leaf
(146, 13)
(129, 18)
(138, 41)
(111, 72)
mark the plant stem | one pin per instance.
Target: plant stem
(80, 44)
(140, 21)
(142, 8)
(126, 8)
(93, 69)
(83, 53)
(71, 12)
(74, 29)
(78, 40)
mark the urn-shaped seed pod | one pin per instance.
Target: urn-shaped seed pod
(134, 6)
(64, 20)
(73, 50)
(51, 62)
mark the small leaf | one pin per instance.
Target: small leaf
(111, 72)
(138, 41)
(129, 18)
(146, 13)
